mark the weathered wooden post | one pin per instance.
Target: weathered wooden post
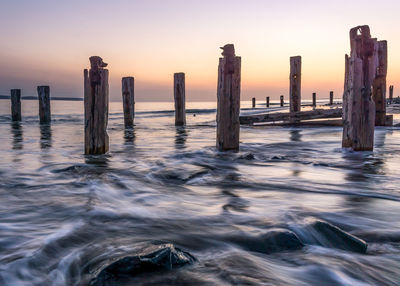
(295, 84)
(391, 94)
(253, 102)
(282, 100)
(128, 100)
(314, 99)
(16, 105)
(331, 98)
(379, 84)
(96, 107)
(267, 101)
(228, 125)
(44, 104)
(358, 106)
(179, 96)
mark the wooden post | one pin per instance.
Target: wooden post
(16, 105)
(44, 104)
(179, 96)
(267, 101)
(228, 125)
(282, 100)
(358, 106)
(314, 99)
(128, 100)
(331, 98)
(391, 94)
(253, 102)
(295, 84)
(379, 85)
(96, 107)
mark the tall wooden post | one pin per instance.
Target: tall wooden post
(44, 104)
(379, 85)
(179, 96)
(228, 125)
(331, 98)
(267, 101)
(358, 106)
(391, 94)
(128, 100)
(253, 102)
(16, 105)
(282, 100)
(295, 84)
(314, 99)
(96, 107)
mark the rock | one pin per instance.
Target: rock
(248, 156)
(325, 234)
(275, 240)
(153, 258)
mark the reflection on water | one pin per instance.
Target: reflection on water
(64, 214)
(180, 137)
(45, 136)
(129, 136)
(17, 132)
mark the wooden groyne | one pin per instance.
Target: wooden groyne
(44, 104)
(128, 100)
(16, 105)
(179, 99)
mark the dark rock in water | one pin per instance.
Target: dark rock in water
(248, 156)
(275, 240)
(154, 258)
(325, 234)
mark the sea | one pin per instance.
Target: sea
(64, 215)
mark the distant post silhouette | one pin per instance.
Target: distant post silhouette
(358, 107)
(179, 98)
(314, 99)
(379, 84)
(253, 102)
(96, 107)
(282, 100)
(44, 104)
(228, 106)
(295, 84)
(267, 101)
(16, 105)
(331, 98)
(391, 94)
(128, 100)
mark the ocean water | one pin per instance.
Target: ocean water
(64, 215)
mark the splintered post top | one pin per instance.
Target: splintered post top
(228, 50)
(96, 62)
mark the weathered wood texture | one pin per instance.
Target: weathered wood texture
(96, 107)
(358, 106)
(295, 84)
(228, 93)
(253, 102)
(282, 100)
(180, 101)
(16, 105)
(331, 98)
(391, 90)
(287, 116)
(314, 99)
(379, 85)
(267, 101)
(128, 100)
(44, 104)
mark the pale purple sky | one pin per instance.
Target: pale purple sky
(49, 42)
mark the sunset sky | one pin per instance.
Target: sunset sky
(50, 41)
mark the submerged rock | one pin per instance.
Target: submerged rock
(275, 240)
(154, 258)
(325, 234)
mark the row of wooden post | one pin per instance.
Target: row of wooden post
(44, 104)
(364, 102)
